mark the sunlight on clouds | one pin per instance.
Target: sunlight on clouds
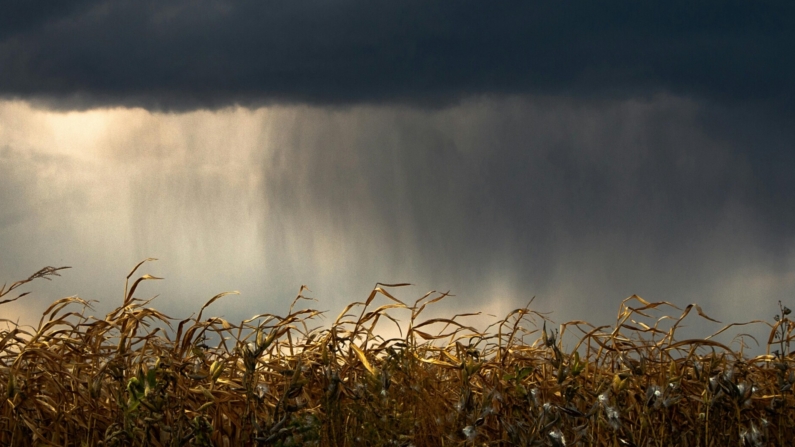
(577, 204)
(103, 189)
(76, 134)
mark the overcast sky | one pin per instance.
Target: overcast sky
(579, 152)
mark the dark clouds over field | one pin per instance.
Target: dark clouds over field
(577, 152)
(179, 55)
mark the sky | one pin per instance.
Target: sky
(574, 153)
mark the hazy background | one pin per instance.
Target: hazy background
(574, 153)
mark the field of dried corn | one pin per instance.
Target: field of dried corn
(138, 377)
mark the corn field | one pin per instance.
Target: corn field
(140, 378)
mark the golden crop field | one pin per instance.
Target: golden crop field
(138, 377)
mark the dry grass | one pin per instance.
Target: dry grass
(271, 380)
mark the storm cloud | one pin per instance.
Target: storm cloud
(180, 55)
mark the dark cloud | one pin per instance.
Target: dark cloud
(23, 16)
(178, 55)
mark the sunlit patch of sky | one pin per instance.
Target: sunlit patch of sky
(497, 201)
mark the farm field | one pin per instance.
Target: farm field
(137, 377)
(599, 197)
